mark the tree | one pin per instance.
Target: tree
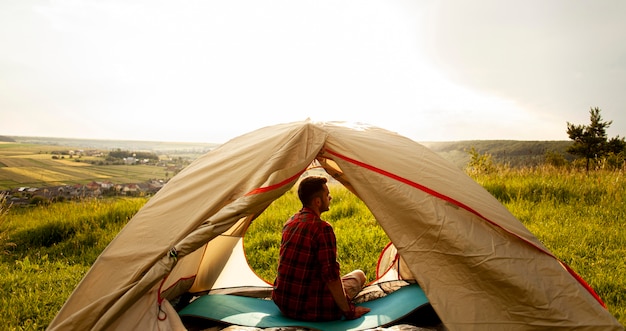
(590, 141)
(616, 145)
(555, 159)
(480, 163)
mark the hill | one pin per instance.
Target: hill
(159, 147)
(515, 153)
(6, 139)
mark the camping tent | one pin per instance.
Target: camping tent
(478, 265)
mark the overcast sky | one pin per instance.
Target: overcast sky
(208, 71)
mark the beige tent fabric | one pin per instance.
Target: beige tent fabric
(391, 266)
(234, 272)
(201, 202)
(479, 266)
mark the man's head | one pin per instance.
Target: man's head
(313, 193)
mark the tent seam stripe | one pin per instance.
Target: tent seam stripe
(418, 186)
(275, 186)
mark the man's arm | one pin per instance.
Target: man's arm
(336, 289)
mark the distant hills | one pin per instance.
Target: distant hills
(515, 153)
(6, 139)
(186, 149)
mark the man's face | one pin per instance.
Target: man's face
(325, 200)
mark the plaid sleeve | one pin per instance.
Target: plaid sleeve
(327, 254)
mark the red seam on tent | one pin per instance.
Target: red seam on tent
(159, 297)
(418, 186)
(464, 206)
(275, 186)
(583, 283)
(380, 257)
(181, 279)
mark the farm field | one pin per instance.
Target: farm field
(35, 165)
(579, 216)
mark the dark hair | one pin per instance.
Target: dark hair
(311, 187)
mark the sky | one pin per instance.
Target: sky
(208, 71)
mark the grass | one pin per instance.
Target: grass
(579, 216)
(47, 250)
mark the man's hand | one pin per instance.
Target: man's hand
(350, 311)
(360, 311)
(355, 312)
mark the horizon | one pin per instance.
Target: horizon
(220, 143)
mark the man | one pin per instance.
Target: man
(308, 285)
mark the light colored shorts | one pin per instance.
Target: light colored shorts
(353, 283)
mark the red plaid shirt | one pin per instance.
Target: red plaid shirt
(308, 260)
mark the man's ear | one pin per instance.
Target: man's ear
(317, 201)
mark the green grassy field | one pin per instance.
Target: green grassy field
(579, 216)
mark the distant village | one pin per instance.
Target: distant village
(23, 196)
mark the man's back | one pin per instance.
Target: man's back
(308, 260)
